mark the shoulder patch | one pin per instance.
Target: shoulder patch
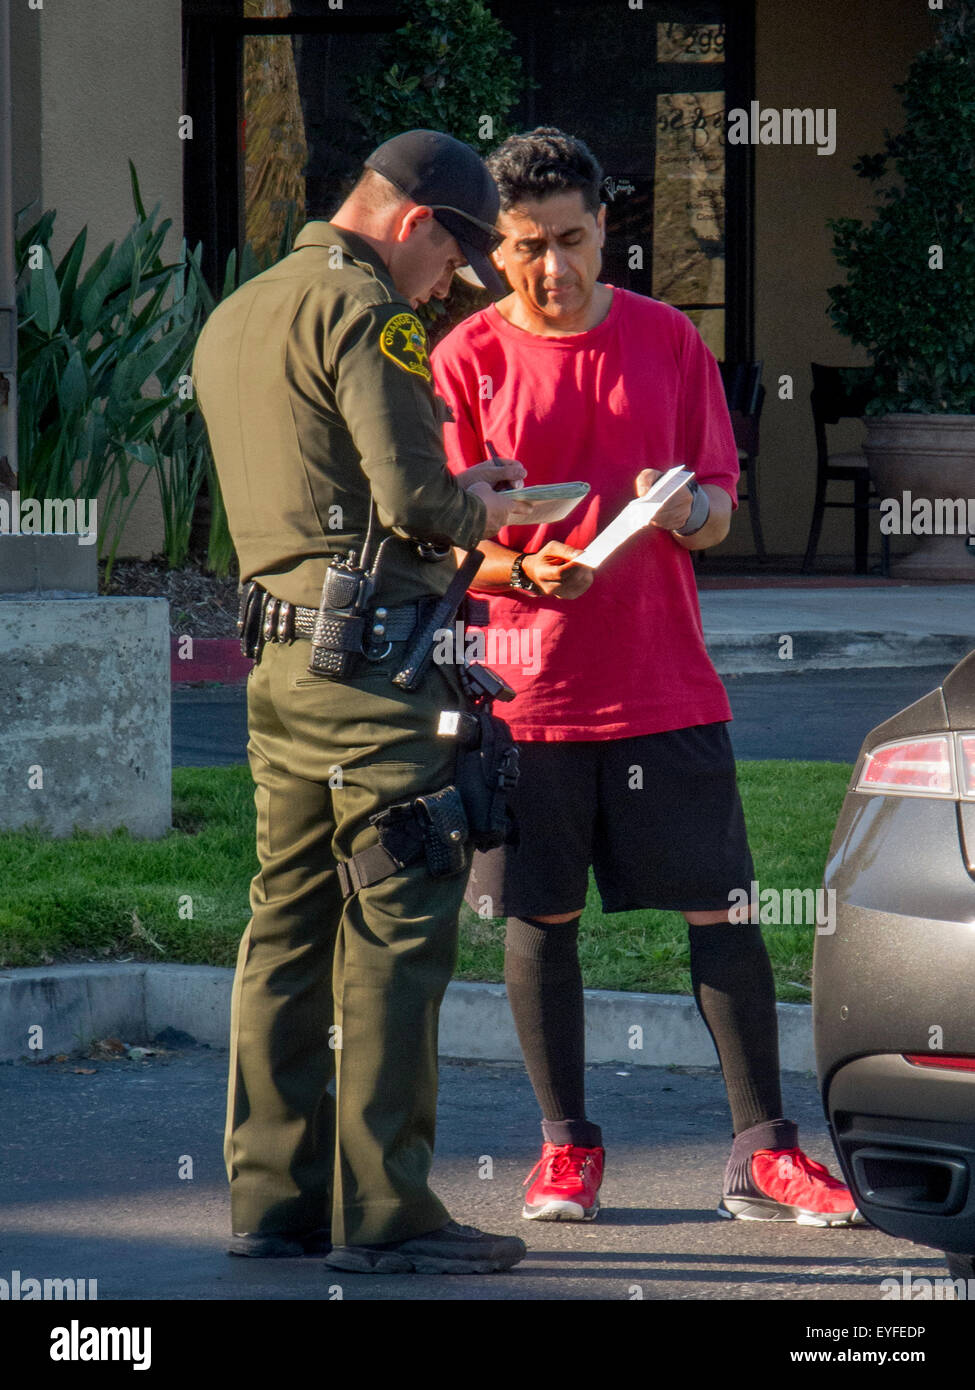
(404, 342)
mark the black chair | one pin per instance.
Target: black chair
(745, 395)
(833, 400)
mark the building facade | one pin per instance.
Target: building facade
(670, 97)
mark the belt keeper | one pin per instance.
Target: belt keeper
(285, 629)
(345, 879)
(373, 648)
(270, 617)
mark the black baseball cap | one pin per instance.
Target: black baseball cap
(444, 174)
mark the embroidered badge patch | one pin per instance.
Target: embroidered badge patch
(405, 343)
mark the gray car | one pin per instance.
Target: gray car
(894, 983)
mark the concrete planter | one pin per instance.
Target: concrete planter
(85, 695)
(923, 463)
(85, 734)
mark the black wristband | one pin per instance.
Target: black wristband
(518, 579)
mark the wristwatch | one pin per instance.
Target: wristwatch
(700, 510)
(518, 579)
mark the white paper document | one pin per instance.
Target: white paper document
(634, 516)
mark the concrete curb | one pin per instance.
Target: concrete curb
(75, 1004)
(829, 629)
(751, 653)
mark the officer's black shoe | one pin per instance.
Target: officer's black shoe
(454, 1249)
(280, 1246)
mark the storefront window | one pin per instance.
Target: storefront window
(273, 135)
(689, 185)
(648, 90)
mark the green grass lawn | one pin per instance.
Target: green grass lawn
(110, 897)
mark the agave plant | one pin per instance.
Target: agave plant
(88, 348)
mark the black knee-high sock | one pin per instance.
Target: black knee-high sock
(735, 993)
(544, 983)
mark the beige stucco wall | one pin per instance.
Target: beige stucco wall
(96, 83)
(845, 54)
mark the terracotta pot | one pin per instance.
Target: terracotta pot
(921, 462)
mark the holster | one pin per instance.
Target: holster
(445, 831)
(486, 771)
(433, 825)
(249, 619)
(340, 626)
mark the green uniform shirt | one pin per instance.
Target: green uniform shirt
(314, 384)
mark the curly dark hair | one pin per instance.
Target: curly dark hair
(544, 161)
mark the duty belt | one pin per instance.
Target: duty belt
(282, 621)
(263, 618)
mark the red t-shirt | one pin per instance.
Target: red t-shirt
(640, 390)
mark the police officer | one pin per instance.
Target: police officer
(314, 384)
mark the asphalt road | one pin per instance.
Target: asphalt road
(815, 715)
(90, 1188)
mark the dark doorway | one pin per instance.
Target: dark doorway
(648, 89)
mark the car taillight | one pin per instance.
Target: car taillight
(924, 1059)
(910, 767)
(966, 763)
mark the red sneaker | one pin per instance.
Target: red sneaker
(786, 1185)
(568, 1186)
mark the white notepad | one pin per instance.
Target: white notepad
(634, 516)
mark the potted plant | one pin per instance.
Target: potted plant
(909, 299)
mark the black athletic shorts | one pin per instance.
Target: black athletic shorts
(658, 817)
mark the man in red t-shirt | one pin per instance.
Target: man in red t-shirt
(620, 715)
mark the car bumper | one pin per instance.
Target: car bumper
(905, 1135)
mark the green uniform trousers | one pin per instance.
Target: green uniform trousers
(327, 989)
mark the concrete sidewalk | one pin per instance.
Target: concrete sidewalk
(838, 627)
